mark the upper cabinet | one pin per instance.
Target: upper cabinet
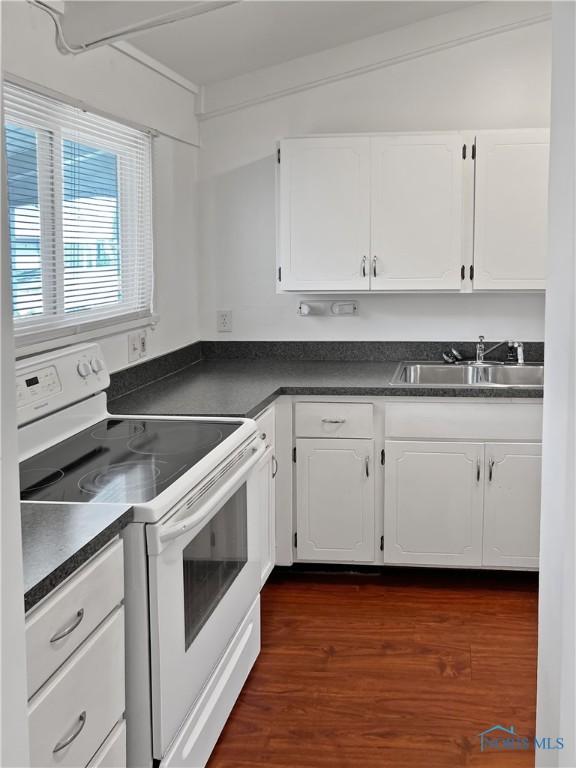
(511, 210)
(325, 214)
(416, 212)
(399, 212)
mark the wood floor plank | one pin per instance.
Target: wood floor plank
(398, 669)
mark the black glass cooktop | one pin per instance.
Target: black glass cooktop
(126, 461)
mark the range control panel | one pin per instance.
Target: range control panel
(47, 383)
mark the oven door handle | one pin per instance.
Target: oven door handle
(171, 532)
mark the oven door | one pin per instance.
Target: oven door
(204, 574)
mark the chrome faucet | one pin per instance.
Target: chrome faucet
(513, 346)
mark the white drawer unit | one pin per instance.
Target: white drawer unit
(334, 419)
(112, 754)
(70, 717)
(56, 627)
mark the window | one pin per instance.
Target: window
(79, 201)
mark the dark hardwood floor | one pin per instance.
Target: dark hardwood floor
(401, 669)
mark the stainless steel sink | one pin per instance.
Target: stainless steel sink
(435, 375)
(468, 375)
(515, 375)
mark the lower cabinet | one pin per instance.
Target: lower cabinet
(459, 485)
(76, 657)
(462, 504)
(335, 500)
(433, 503)
(512, 505)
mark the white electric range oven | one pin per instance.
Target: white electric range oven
(192, 560)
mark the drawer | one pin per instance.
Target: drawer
(465, 421)
(112, 754)
(266, 425)
(334, 420)
(85, 697)
(73, 611)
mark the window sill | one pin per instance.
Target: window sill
(25, 348)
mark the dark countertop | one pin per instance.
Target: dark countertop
(58, 538)
(245, 387)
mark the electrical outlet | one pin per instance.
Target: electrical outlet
(224, 320)
(143, 343)
(137, 345)
(133, 346)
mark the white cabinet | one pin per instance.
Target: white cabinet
(265, 473)
(72, 714)
(416, 221)
(67, 617)
(75, 644)
(511, 210)
(324, 237)
(512, 505)
(399, 212)
(433, 503)
(335, 500)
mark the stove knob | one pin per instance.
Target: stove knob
(83, 369)
(97, 364)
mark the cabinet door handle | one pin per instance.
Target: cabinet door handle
(367, 465)
(491, 464)
(333, 421)
(274, 467)
(374, 262)
(363, 266)
(478, 470)
(73, 736)
(70, 628)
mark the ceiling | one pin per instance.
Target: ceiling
(245, 36)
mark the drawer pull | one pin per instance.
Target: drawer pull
(70, 628)
(333, 421)
(367, 466)
(73, 736)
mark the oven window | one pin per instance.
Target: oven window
(212, 561)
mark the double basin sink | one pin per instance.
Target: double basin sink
(468, 375)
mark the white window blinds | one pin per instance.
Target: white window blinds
(80, 217)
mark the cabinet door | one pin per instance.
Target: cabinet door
(416, 212)
(264, 479)
(324, 235)
(433, 503)
(335, 500)
(511, 210)
(512, 505)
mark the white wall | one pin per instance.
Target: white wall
(107, 80)
(556, 710)
(486, 80)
